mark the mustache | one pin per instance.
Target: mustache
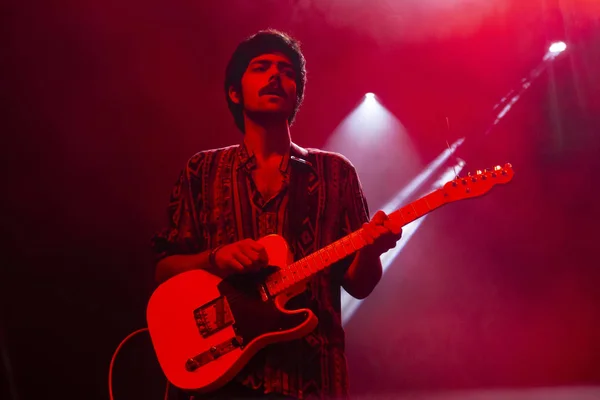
(274, 87)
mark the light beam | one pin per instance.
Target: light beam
(349, 303)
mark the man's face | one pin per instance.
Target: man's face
(269, 86)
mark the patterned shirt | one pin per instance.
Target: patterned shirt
(216, 201)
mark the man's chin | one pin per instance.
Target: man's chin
(269, 113)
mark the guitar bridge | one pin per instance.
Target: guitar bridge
(213, 316)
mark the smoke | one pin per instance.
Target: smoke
(407, 20)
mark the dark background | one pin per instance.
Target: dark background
(105, 102)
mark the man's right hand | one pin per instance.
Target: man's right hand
(241, 257)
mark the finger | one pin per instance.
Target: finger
(249, 252)
(391, 241)
(379, 217)
(386, 243)
(263, 256)
(370, 227)
(366, 231)
(389, 246)
(372, 236)
(260, 258)
(390, 238)
(244, 260)
(254, 245)
(393, 227)
(381, 230)
(235, 266)
(398, 229)
(367, 235)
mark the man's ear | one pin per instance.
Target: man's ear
(234, 95)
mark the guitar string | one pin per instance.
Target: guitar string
(331, 260)
(333, 248)
(288, 269)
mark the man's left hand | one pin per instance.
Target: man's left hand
(381, 233)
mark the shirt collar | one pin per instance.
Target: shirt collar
(296, 155)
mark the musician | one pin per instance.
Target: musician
(228, 198)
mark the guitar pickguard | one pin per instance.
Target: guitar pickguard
(213, 316)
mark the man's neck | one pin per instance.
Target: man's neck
(267, 140)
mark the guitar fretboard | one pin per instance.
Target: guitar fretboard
(305, 268)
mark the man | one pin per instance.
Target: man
(228, 198)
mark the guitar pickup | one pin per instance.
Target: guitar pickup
(213, 316)
(213, 353)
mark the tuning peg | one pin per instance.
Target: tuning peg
(497, 168)
(479, 172)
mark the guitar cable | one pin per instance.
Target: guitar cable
(112, 363)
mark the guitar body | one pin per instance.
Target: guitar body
(205, 329)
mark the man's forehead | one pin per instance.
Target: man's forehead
(275, 56)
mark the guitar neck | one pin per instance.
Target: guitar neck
(305, 268)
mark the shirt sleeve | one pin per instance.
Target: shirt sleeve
(355, 211)
(183, 233)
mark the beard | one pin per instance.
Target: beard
(270, 117)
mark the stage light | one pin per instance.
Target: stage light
(558, 47)
(370, 96)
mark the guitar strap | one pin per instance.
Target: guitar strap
(298, 205)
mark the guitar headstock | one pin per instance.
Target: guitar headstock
(478, 184)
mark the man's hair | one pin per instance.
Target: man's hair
(263, 42)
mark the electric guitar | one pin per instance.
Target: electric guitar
(205, 329)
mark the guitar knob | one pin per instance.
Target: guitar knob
(214, 351)
(191, 365)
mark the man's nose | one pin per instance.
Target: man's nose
(275, 75)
